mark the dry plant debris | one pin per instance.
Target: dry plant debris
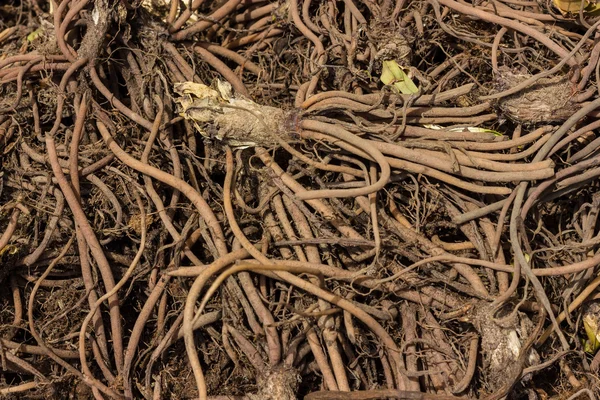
(333, 199)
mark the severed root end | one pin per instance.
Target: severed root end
(278, 383)
(502, 339)
(232, 119)
(548, 100)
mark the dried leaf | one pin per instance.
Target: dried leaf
(573, 6)
(469, 128)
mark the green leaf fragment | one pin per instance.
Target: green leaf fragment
(592, 344)
(393, 74)
(35, 34)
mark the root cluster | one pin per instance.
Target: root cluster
(224, 200)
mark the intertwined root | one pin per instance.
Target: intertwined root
(246, 195)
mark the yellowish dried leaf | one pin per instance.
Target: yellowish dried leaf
(574, 6)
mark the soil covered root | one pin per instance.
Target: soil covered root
(232, 119)
(548, 100)
(277, 383)
(503, 342)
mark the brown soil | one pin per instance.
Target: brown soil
(227, 202)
